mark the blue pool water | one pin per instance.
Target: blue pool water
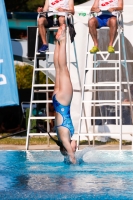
(43, 175)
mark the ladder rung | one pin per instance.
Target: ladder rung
(103, 84)
(107, 82)
(43, 54)
(43, 85)
(42, 91)
(104, 104)
(111, 90)
(40, 117)
(126, 103)
(42, 101)
(100, 117)
(49, 52)
(102, 68)
(112, 61)
(44, 69)
(126, 82)
(98, 134)
(101, 101)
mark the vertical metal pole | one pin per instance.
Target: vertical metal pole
(37, 82)
(77, 64)
(32, 90)
(127, 76)
(126, 71)
(94, 96)
(116, 94)
(47, 97)
(82, 105)
(120, 106)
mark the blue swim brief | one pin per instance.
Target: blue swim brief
(103, 19)
(65, 113)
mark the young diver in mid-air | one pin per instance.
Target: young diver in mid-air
(62, 97)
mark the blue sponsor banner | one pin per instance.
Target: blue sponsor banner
(8, 86)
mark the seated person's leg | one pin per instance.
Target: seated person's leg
(103, 21)
(93, 24)
(112, 23)
(44, 23)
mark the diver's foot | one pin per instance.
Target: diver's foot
(74, 145)
(73, 160)
(61, 34)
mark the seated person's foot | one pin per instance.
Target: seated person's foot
(94, 50)
(43, 48)
(111, 49)
(61, 34)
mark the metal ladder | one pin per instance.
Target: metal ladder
(47, 87)
(91, 89)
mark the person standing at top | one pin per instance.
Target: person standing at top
(104, 19)
(46, 21)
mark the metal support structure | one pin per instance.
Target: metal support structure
(46, 88)
(93, 87)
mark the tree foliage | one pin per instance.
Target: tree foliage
(24, 76)
(28, 5)
(23, 5)
(33, 4)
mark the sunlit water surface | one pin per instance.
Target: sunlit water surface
(44, 175)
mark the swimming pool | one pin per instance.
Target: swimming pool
(44, 175)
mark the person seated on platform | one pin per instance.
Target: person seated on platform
(104, 19)
(62, 97)
(47, 21)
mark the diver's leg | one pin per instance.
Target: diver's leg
(65, 86)
(65, 138)
(56, 64)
